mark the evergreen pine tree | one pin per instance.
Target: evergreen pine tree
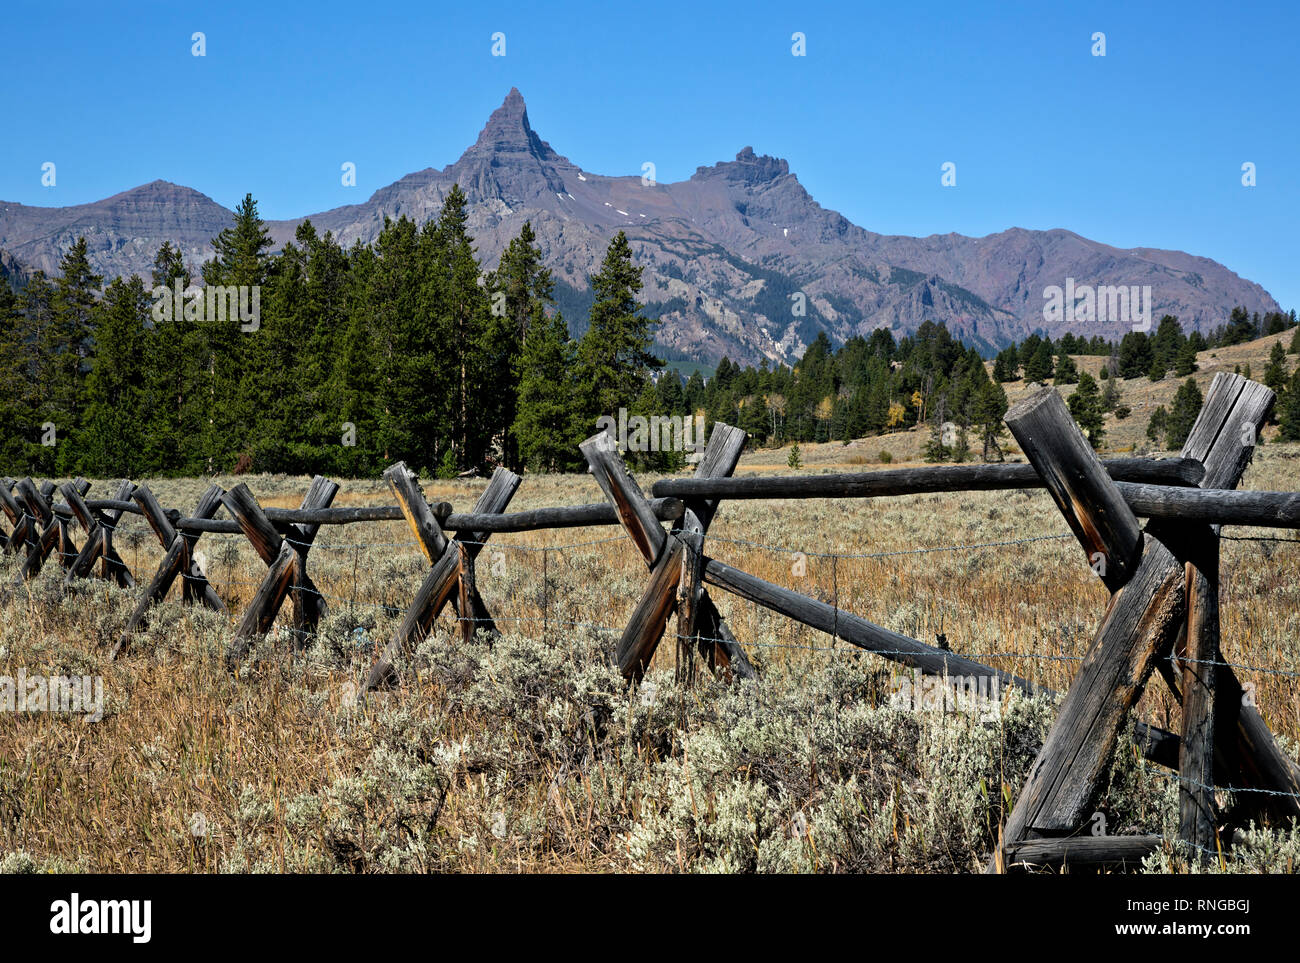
(1067, 373)
(522, 290)
(273, 376)
(39, 368)
(400, 306)
(109, 443)
(481, 351)
(1187, 405)
(1288, 409)
(1006, 366)
(173, 365)
(694, 392)
(1039, 367)
(1240, 328)
(1135, 355)
(66, 344)
(329, 440)
(1159, 424)
(353, 384)
(990, 409)
(233, 405)
(1085, 405)
(1275, 375)
(1110, 394)
(1166, 342)
(547, 426)
(15, 417)
(613, 356)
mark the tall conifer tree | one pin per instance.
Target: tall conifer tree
(614, 359)
(108, 444)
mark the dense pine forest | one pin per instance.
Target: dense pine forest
(408, 349)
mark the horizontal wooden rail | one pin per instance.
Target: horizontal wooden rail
(867, 635)
(1261, 509)
(1157, 745)
(1220, 506)
(573, 516)
(917, 481)
(568, 516)
(1079, 851)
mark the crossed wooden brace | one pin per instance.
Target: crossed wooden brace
(1165, 589)
(286, 558)
(36, 527)
(42, 531)
(178, 559)
(451, 577)
(676, 560)
(19, 519)
(12, 512)
(99, 528)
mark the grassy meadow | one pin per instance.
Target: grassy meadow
(531, 754)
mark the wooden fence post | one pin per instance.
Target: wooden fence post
(698, 621)
(646, 626)
(99, 537)
(56, 536)
(689, 591)
(1223, 438)
(194, 583)
(42, 532)
(286, 563)
(852, 628)
(1145, 613)
(1064, 777)
(17, 518)
(433, 542)
(661, 552)
(177, 560)
(1196, 822)
(1113, 852)
(309, 605)
(443, 580)
(1074, 476)
(67, 548)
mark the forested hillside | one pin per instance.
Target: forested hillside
(407, 349)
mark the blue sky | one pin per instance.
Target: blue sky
(1142, 147)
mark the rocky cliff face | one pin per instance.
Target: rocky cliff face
(123, 232)
(9, 268)
(739, 259)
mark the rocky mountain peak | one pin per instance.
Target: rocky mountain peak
(722, 252)
(507, 131)
(747, 170)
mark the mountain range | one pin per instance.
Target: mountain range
(730, 255)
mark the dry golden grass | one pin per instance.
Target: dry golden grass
(194, 769)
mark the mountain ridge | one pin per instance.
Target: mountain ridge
(727, 252)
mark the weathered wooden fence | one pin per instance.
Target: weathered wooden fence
(1163, 582)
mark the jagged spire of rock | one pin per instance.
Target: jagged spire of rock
(720, 250)
(507, 131)
(509, 162)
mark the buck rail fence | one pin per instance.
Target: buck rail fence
(1162, 614)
